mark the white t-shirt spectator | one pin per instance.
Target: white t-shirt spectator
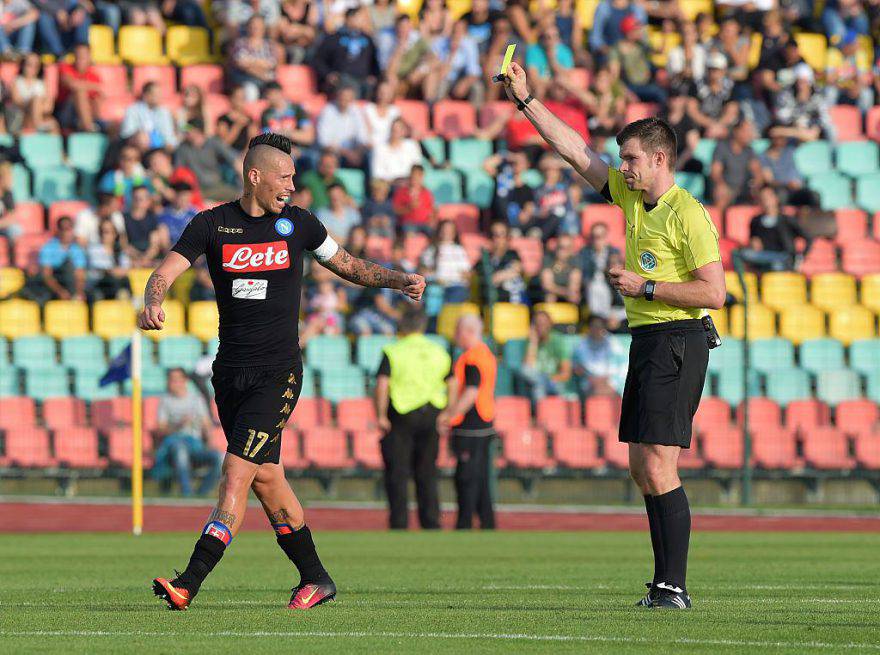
(450, 264)
(380, 126)
(393, 163)
(86, 224)
(338, 129)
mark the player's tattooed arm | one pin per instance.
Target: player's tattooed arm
(157, 287)
(370, 274)
(226, 518)
(152, 317)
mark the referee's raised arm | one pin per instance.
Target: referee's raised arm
(564, 140)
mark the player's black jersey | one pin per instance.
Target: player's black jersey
(256, 267)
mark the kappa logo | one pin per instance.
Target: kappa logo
(647, 260)
(248, 257)
(230, 230)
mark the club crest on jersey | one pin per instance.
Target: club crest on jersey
(284, 227)
(647, 260)
(249, 257)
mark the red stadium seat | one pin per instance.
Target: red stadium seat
(326, 448)
(151, 412)
(576, 448)
(61, 413)
(208, 77)
(290, 450)
(614, 452)
(297, 82)
(414, 245)
(611, 215)
(690, 458)
(112, 109)
(727, 246)
(454, 119)
(852, 225)
(366, 449)
(27, 247)
(638, 110)
(717, 217)
(111, 413)
(114, 80)
(164, 76)
(555, 413)
(800, 414)
(61, 208)
(723, 448)
(355, 414)
(466, 217)
(861, 257)
(867, 450)
(28, 447)
(30, 217)
(525, 447)
(712, 413)
(310, 413)
(512, 412)
(763, 413)
(17, 411)
(737, 220)
(4, 252)
(492, 111)
(473, 245)
(531, 254)
(119, 447)
(8, 72)
(821, 258)
(774, 448)
(416, 114)
(872, 123)
(826, 447)
(579, 77)
(602, 413)
(847, 122)
(856, 416)
(77, 447)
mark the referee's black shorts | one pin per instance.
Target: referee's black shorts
(254, 404)
(667, 369)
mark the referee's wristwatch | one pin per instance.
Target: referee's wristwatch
(649, 289)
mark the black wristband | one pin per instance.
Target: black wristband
(521, 104)
(649, 289)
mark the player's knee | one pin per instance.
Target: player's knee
(233, 485)
(657, 476)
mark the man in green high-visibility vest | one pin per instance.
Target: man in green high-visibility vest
(410, 393)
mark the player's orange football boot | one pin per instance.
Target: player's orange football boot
(311, 594)
(177, 598)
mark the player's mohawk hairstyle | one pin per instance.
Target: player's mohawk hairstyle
(277, 141)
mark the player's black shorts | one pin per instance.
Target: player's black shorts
(254, 404)
(667, 369)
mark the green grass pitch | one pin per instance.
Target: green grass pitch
(445, 593)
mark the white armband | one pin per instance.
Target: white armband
(326, 250)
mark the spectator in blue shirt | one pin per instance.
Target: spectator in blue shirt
(599, 364)
(606, 24)
(130, 174)
(177, 215)
(62, 267)
(545, 60)
(458, 72)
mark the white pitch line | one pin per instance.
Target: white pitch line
(815, 645)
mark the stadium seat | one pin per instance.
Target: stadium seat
(610, 215)
(602, 413)
(188, 45)
(508, 321)
(694, 183)
(209, 77)
(69, 208)
(21, 183)
(141, 45)
(27, 250)
(354, 181)
(42, 150)
(309, 413)
(175, 323)
(163, 76)
(762, 322)
(65, 412)
(806, 413)
(834, 189)
(861, 257)
(737, 221)
(436, 148)
(850, 324)
(467, 154)
(28, 447)
(454, 119)
(826, 447)
(513, 351)
(561, 313)
(864, 355)
(868, 192)
(291, 455)
(297, 81)
(449, 315)
(417, 116)
(786, 385)
(722, 448)
(369, 351)
(852, 224)
(847, 120)
(36, 351)
(525, 448)
(203, 319)
(445, 184)
(780, 290)
(55, 183)
(479, 188)
(730, 384)
(638, 110)
(102, 44)
(85, 386)
(466, 217)
(66, 318)
(366, 449)
(870, 292)
(30, 217)
(474, 245)
(17, 411)
(856, 416)
(820, 258)
(112, 318)
(774, 448)
(614, 452)
(872, 123)
(120, 446)
(798, 324)
(114, 80)
(180, 351)
(326, 352)
(326, 448)
(77, 447)
(763, 413)
(813, 157)
(704, 152)
(867, 451)
(829, 291)
(112, 109)
(770, 354)
(821, 355)
(833, 387)
(341, 383)
(735, 289)
(356, 414)
(531, 254)
(576, 448)
(555, 413)
(855, 158)
(48, 381)
(19, 318)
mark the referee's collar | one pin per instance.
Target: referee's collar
(663, 197)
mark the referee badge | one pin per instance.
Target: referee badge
(647, 260)
(284, 226)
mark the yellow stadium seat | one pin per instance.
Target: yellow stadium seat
(203, 319)
(562, 313)
(735, 289)
(458, 8)
(661, 43)
(449, 315)
(586, 10)
(866, 48)
(113, 318)
(410, 7)
(11, 280)
(174, 325)
(828, 291)
(690, 8)
(755, 50)
(137, 279)
(813, 48)
(66, 318)
(508, 321)
(188, 45)
(102, 44)
(783, 289)
(799, 324)
(541, 7)
(141, 45)
(719, 317)
(182, 285)
(849, 324)
(762, 322)
(871, 292)
(19, 318)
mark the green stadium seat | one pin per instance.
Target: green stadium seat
(771, 354)
(212, 346)
(813, 157)
(47, 382)
(86, 151)
(533, 178)
(613, 150)
(873, 386)
(85, 386)
(369, 351)
(513, 352)
(154, 382)
(728, 356)
(342, 383)
(695, 183)
(326, 352)
(37, 351)
(868, 192)
(821, 355)
(445, 185)
(436, 146)
(834, 387)
(182, 351)
(624, 341)
(855, 158)
(504, 380)
(42, 150)
(760, 145)
(730, 384)
(5, 362)
(80, 350)
(834, 189)
(21, 183)
(864, 356)
(56, 183)
(786, 385)
(469, 154)
(117, 344)
(308, 384)
(354, 181)
(9, 382)
(704, 152)
(480, 188)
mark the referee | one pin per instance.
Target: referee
(673, 273)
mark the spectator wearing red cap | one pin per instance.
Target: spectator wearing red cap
(633, 55)
(606, 30)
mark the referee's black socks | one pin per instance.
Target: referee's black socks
(656, 539)
(299, 546)
(208, 551)
(673, 516)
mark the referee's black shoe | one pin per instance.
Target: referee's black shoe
(669, 596)
(650, 597)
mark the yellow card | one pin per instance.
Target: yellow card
(508, 57)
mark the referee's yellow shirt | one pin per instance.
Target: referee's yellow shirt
(665, 245)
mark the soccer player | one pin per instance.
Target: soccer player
(254, 250)
(671, 276)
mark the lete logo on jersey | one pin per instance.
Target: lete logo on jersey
(248, 257)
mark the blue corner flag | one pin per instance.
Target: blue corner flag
(119, 369)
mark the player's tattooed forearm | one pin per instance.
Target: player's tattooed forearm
(363, 271)
(226, 518)
(157, 286)
(281, 516)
